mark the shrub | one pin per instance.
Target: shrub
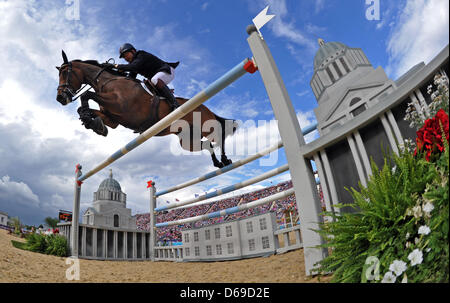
(52, 244)
(36, 243)
(56, 245)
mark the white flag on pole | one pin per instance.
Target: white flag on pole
(262, 18)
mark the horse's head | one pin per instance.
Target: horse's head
(70, 80)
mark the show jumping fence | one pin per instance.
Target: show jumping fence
(292, 139)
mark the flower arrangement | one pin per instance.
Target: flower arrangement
(430, 137)
(439, 100)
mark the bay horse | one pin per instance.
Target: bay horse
(122, 100)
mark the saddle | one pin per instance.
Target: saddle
(153, 89)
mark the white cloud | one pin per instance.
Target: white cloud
(319, 5)
(17, 192)
(204, 6)
(420, 32)
(285, 29)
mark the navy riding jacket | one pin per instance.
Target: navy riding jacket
(147, 65)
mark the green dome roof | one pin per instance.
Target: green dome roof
(110, 184)
(326, 50)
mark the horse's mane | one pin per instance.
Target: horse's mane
(96, 63)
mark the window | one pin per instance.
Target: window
(197, 251)
(229, 231)
(196, 236)
(251, 244)
(358, 110)
(218, 249)
(249, 227)
(208, 250)
(336, 67)
(344, 64)
(186, 238)
(230, 248)
(207, 234)
(330, 74)
(354, 101)
(262, 224)
(217, 233)
(116, 220)
(187, 251)
(265, 242)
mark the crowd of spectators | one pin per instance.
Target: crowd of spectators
(173, 233)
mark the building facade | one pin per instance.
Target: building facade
(360, 115)
(238, 239)
(3, 218)
(109, 207)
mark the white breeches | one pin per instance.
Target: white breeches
(165, 77)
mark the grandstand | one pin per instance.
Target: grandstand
(173, 233)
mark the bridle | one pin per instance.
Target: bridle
(66, 87)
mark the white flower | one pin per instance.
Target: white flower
(428, 207)
(416, 257)
(416, 240)
(417, 210)
(394, 169)
(408, 244)
(428, 249)
(398, 267)
(424, 230)
(407, 236)
(389, 278)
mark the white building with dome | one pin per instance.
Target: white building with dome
(345, 84)
(109, 207)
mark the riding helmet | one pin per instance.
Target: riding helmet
(125, 48)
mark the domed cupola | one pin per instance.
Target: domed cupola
(345, 84)
(333, 62)
(110, 190)
(327, 52)
(110, 183)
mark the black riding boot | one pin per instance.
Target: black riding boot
(165, 92)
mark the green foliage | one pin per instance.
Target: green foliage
(391, 211)
(53, 244)
(19, 245)
(51, 222)
(56, 245)
(36, 243)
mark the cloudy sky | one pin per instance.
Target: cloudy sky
(42, 141)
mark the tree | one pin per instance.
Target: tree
(51, 222)
(16, 224)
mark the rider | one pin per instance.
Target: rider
(158, 71)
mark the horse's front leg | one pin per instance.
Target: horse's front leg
(90, 118)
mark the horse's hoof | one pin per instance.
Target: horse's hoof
(99, 127)
(226, 161)
(218, 164)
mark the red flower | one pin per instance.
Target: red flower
(429, 137)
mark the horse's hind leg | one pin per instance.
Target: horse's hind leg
(209, 147)
(223, 156)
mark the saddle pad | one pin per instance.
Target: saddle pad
(146, 89)
(150, 93)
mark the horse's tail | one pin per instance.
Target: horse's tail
(226, 125)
